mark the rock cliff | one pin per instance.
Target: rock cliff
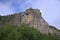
(30, 17)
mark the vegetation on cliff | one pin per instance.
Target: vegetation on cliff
(24, 32)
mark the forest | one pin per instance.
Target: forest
(24, 32)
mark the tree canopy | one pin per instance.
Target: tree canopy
(24, 32)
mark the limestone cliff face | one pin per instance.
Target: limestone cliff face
(31, 17)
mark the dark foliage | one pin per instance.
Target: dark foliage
(24, 32)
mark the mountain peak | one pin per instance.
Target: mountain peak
(31, 17)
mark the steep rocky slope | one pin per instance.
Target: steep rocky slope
(30, 17)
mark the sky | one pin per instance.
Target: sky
(50, 9)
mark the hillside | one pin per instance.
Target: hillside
(24, 32)
(31, 17)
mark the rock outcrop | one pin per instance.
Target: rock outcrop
(33, 18)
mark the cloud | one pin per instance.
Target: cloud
(13, 6)
(5, 9)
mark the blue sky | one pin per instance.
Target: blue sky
(50, 9)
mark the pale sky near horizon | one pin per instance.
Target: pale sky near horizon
(50, 9)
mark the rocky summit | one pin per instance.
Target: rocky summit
(31, 17)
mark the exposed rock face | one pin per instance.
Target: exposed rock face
(31, 17)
